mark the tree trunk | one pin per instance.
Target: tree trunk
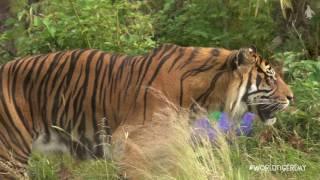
(298, 24)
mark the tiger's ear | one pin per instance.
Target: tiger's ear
(253, 49)
(244, 57)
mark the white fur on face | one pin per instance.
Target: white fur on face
(252, 88)
(239, 111)
(239, 106)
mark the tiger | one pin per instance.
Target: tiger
(70, 97)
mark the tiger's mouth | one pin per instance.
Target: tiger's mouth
(267, 116)
(267, 112)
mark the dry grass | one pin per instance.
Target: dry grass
(163, 149)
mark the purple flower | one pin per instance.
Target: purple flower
(202, 126)
(224, 124)
(246, 124)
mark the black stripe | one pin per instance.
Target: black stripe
(120, 72)
(10, 129)
(103, 90)
(143, 61)
(203, 97)
(85, 85)
(28, 61)
(193, 72)
(129, 77)
(76, 95)
(161, 63)
(110, 76)
(75, 56)
(11, 121)
(215, 52)
(110, 67)
(245, 97)
(42, 92)
(149, 61)
(181, 54)
(17, 108)
(189, 60)
(50, 72)
(97, 72)
(258, 80)
(28, 86)
(259, 91)
(27, 79)
(58, 74)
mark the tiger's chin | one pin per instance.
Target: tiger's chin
(270, 122)
(268, 118)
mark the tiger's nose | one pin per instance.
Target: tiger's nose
(290, 98)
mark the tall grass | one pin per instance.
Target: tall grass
(163, 149)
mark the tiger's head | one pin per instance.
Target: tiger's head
(265, 91)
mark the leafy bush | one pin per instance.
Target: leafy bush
(60, 25)
(304, 116)
(229, 24)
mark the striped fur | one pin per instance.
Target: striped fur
(83, 93)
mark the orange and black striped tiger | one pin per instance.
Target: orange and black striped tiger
(47, 98)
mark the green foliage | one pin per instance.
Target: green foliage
(96, 169)
(304, 116)
(250, 151)
(61, 25)
(43, 167)
(229, 24)
(58, 166)
(4, 56)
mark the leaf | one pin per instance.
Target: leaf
(50, 29)
(21, 15)
(36, 21)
